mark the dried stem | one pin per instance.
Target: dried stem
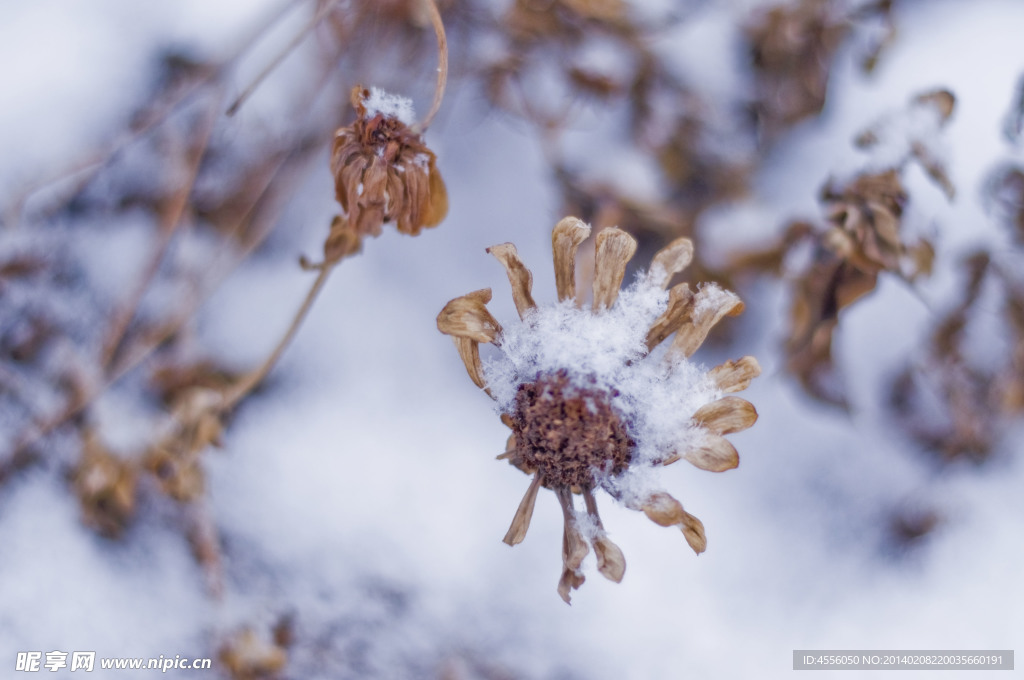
(281, 56)
(442, 65)
(249, 382)
(21, 456)
(95, 161)
(173, 218)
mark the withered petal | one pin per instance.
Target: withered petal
(570, 580)
(666, 511)
(521, 522)
(467, 317)
(662, 509)
(735, 375)
(437, 205)
(610, 560)
(714, 454)
(469, 351)
(574, 546)
(670, 260)
(705, 313)
(726, 415)
(566, 238)
(519, 277)
(693, 531)
(615, 248)
(680, 304)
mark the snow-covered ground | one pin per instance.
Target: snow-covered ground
(360, 495)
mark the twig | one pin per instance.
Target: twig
(442, 64)
(281, 56)
(254, 378)
(97, 159)
(174, 217)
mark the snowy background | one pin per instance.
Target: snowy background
(357, 496)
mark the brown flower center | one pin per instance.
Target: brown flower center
(567, 432)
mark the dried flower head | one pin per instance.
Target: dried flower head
(593, 398)
(383, 171)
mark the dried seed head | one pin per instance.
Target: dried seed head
(588, 404)
(383, 171)
(567, 433)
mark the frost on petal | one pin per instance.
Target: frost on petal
(615, 248)
(519, 277)
(734, 376)
(727, 415)
(670, 260)
(467, 317)
(714, 454)
(710, 304)
(521, 522)
(566, 238)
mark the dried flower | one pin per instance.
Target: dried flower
(383, 171)
(591, 398)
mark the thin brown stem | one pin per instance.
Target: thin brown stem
(442, 64)
(281, 56)
(96, 160)
(254, 378)
(172, 220)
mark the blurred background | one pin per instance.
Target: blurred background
(854, 170)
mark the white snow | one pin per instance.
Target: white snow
(389, 105)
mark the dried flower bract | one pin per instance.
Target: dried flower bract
(593, 398)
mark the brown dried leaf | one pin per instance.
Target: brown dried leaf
(106, 488)
(249, 656)
(942, 100)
